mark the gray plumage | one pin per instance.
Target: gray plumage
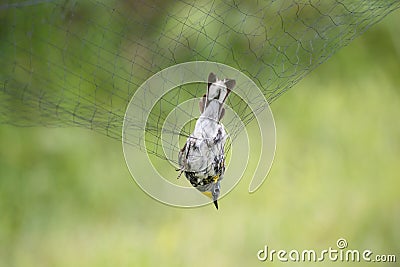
(202, 158)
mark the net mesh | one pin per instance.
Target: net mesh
(78, 63)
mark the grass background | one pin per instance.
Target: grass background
(67, 198)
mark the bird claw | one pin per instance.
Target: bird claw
(180, 174)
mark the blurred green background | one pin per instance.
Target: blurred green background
(67, 198)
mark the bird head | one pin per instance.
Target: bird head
(214, 192)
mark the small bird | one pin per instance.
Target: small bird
(202, 158)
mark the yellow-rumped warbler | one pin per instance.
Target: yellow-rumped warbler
(202, 158)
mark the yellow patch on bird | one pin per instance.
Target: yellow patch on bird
(215, 178)
(207, 193)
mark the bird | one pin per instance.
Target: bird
(202, 158)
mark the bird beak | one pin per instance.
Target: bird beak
(216, 203)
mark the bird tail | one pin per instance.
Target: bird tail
(217, 92)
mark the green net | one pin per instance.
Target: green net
(78, 63)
